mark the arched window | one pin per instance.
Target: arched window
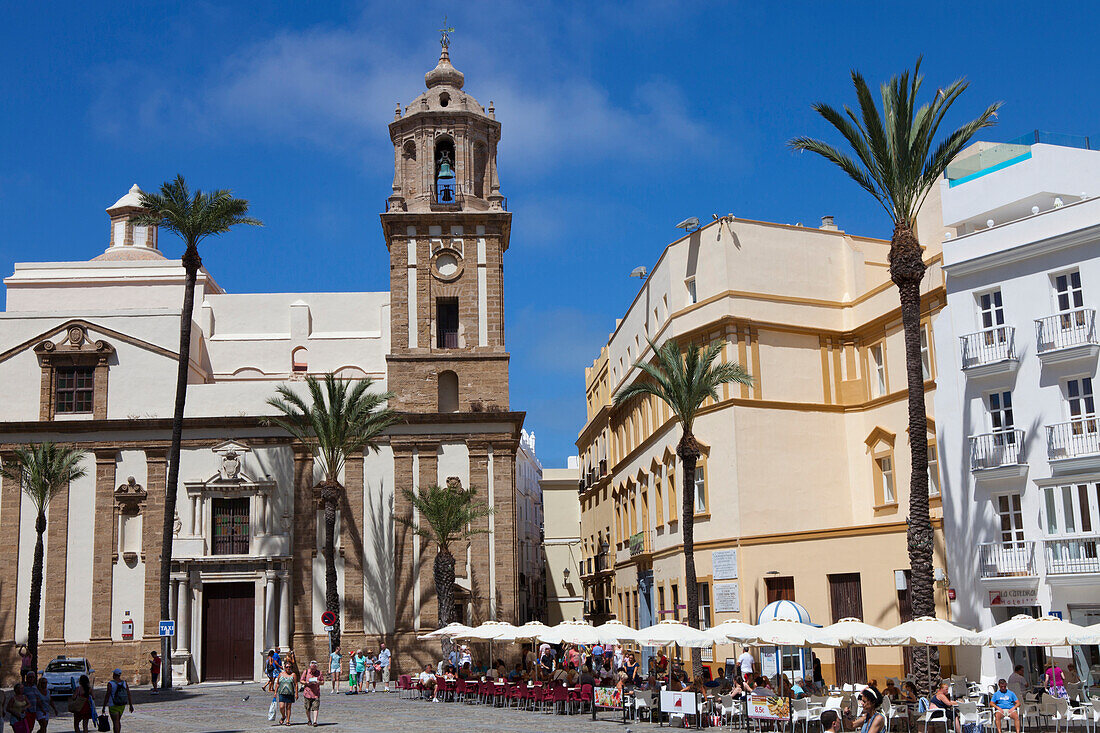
(445, 170)
(448, 392)
(299, 360)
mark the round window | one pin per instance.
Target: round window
(446, 264)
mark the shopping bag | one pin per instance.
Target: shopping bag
(271, 710)
(103, 722)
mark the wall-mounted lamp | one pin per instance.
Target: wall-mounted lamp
(565, 574)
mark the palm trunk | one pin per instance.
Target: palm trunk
(443, 569)
(688, 451)
(330, 494)
(36, 590)
(907, 270)
(191, 264)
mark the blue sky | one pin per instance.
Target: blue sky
(619, 120)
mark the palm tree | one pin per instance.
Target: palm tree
(447, 515)
(898, 162)
(194, 217)
(342, 419)
(683, 381)
(43, 470)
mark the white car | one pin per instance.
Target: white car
(63, 672)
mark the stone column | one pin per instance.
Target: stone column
(304, 544)
(284, 611)
(11, 497)
(181, 657)
(103, 559)
(351, 543)
(270, 609)
(152, 525)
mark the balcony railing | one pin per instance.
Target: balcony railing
(1072, 555)
(1074, 439)
(999, 560)
(994, 450)
(991, 346)
(1065, 330)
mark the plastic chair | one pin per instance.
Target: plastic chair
(931, 716)
(800, 713)
(1064, 713)
(559, 696)
(404, 685)
(643, 705)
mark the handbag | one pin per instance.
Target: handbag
(271, 710)
(103, 723)
(76, 704)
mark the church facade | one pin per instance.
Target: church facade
(88, 355)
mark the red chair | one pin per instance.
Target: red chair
(581, 696)
(513, 693)
(404, 686)
(446, 688)
(559, 695)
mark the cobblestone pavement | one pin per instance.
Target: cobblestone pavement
(220, 708)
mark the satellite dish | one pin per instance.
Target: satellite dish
(692, 223)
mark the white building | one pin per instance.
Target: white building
(531, 602)
(1016, 355)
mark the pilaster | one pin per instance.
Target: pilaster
(103, 570)
(11, 499)
(152, 528)
(351, 542)
(57, 546)
(304, 541)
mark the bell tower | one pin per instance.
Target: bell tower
(447, 228)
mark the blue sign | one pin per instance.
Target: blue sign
(167, 628)
(1056, 614)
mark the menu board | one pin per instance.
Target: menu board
(771, 707)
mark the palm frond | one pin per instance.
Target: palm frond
(44, 470)
(445, 515)
(194, 216)
(335, 422)
(896, 160)
(683, 379)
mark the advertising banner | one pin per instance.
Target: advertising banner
(769, 708)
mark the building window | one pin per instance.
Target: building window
(1080, 403)
(1070, 510)
(673, 510)
(701, 487)
(229, 519)
(933, 470)
(779, 588)
(675, 602)
(1012, 520)
(446, 323)
(1067, 291)
(704, 605)
(299, 360)
(925, 354)
(75, 387)
(885, 466)
(661, 602)
(692, 296)
(1000, 416)
(991, 310)
(878, 384)
(659, 500)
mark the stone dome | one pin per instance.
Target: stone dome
(129, 253)
(444, 73)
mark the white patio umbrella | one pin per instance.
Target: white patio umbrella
(733, 631)
(489, 631)
(673, 633)
(615, 631)
(449, 631)
(853, 632)
(786, 632)
(1042, 631)
(929, 631)
(530, 631)
(572, 632)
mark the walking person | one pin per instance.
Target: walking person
(116, 699)
(352, 679)
(154, 669)
(1054, 680)
(384, 657)
(81, 704)
(272, 667)
(286, 691)
(311, 691)
(26, 662)
(18, 710)
(44, 703)
(334, 669)
(360, 670)
(372, 672)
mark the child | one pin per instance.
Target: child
(352, 680)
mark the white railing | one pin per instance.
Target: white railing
(998, 560)
(993, 450)
(988, 346)
(1065, 330)
(1072, 555)
(1080, 437)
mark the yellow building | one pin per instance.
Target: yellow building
(802, 490)
(562, 543)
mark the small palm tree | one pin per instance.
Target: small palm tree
(340, 420)
(194, 217)
(898, 162)
(447, 516)
(683, 381)
(43, 470)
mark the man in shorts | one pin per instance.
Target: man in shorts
(384, 667)
(116, 699)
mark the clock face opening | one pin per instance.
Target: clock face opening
(446, 265)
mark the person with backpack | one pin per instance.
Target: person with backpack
(116, 699)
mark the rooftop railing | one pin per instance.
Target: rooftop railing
(1008, 153)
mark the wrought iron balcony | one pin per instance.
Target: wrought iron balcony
(1067, 336)
(1001, 452)
(1073, 555)
(991, 351)
(1075, 444)
(998, 560)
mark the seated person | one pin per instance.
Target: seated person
(558, 675)
(586, 677)
(515, 675)
(718, 681)
(465, 673)
(427, 682)
(891, 690)
(798, 690)
(941, 699)
(1005, 705)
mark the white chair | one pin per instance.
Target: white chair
(892, 713)
(969, 715)
(801, 713)
(834, 702)
(643, 705)
(1094, 720)
(933, 716)
(1064, 713)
